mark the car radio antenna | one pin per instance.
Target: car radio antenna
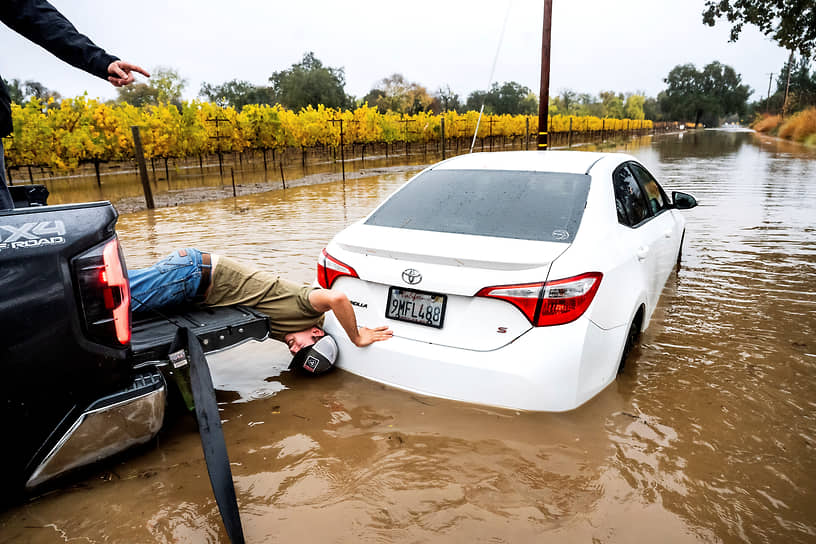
(492, 71)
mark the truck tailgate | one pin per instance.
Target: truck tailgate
(217, 328)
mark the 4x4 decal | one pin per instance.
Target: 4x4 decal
(27, 235)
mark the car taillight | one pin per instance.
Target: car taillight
(329, 269)
(104, 293)
(549, 303)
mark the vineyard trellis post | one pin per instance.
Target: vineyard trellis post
(218, 137)
(96, 170)
(342, 153)
(442, 128)
(490, 121)
(462, 132)
(527, 133)
(283, 180)
(405, 122)
(140, 161)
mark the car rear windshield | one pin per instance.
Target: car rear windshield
(543, 206)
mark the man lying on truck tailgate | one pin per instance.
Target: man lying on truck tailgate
(295, 311)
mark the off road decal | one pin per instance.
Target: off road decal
(28, 235)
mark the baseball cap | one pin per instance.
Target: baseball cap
(317, 358)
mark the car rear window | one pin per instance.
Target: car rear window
(542, 206)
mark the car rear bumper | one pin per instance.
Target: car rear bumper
(552, 369)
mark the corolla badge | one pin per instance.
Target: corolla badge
(411, 276)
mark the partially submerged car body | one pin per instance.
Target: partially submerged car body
(495, 343)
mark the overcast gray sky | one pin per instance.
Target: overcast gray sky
(622, 45)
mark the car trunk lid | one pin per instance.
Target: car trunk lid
(395, 265)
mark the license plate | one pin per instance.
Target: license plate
(416, 307)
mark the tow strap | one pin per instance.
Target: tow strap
(209, 427)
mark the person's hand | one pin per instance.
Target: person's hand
(122, 73)
(367, 336)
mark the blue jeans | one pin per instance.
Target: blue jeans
(170, 282)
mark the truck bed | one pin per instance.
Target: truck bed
(217, 328)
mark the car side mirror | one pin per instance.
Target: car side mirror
(683, 201)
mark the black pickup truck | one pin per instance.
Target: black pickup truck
(80, 379)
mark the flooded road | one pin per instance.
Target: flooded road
(709, 435)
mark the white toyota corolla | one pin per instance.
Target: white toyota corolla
(513, 279)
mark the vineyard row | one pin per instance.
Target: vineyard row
(81, 130)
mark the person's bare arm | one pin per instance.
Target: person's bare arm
(324, 300)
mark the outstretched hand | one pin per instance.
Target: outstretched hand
(122, 73)
(368, 336)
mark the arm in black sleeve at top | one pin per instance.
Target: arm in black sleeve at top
(41, 23)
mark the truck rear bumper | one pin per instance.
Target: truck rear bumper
(108, 426)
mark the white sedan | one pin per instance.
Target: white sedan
(513, 279)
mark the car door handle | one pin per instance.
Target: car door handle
(642, 252)
(668, 233)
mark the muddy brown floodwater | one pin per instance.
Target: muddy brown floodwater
(709, 436)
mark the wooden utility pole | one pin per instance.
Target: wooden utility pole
(768, 99)
(544, 94)
(787, 85)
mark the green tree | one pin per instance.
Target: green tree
(802, 87)
(612, 104)
(15, 90)
(373, 99)
(529, 104)
(168, 84)
(138, 94)
(705, 95)
(20, 92)
(508, 98)
(589, 105)
(651, 109)
(566, 102)
(475, 101)
(237, 94)
(791, 23)
(310, 83)
(633, 108)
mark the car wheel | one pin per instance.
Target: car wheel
(632, 338)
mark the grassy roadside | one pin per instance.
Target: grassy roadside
(799, 127)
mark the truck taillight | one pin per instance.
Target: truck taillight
(329, 269)
(104, 293)
(549, 303)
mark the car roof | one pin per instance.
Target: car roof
(575, 162)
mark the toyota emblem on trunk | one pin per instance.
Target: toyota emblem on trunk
(411, 276)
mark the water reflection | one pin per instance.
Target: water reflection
(708, 436)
